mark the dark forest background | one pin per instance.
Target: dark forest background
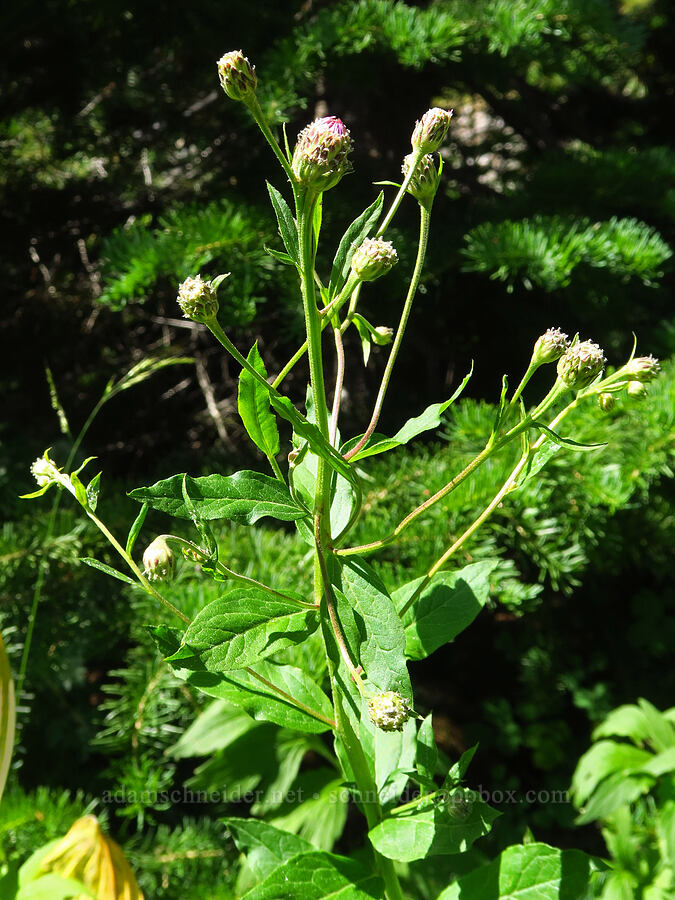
(124, 169)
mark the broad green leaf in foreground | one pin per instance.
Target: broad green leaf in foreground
(299, 703)
(603, 759)
(254, 407)
(445, 607)
(527, 872)
(244, 497)
(219, 725)
(316, 808)
(241, 628)
(450, 826)
(319, 875)
(266, 847)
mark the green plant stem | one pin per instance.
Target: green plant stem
(275, 468)
(339, 379)
(425, 218)
(417, 156)
(531, 369)
(134, 568)
(258, 115)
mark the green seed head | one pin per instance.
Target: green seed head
(424, 183)
(237, 75)
(373, 258)
(642, 368)
(320, 155)
(606, 402)
(581, 364)
(389, 711)
(431, 130)
(197, 298)
(636, 389)
(158, 561)
(550, 346)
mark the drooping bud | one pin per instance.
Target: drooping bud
(158, 561)
(424, 183)
(606, 401)
(197, 298)
(383, 335)
(549, 347)
(431, 129)
(636, 390)
(642, 368)
(581, 364)
(93, 859)
(389, 711)
(373, 259)
(320, 155)
(237, 75)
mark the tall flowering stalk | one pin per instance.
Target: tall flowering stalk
(368, 632)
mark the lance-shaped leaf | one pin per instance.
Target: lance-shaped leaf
(244, 497)
(319, 875)
(567, 442)
(430, 418)
(254, 407)
(527, 871)
(7, 716)
(450, 826)
(241, 628)
(353, 237)
(95, 564)
(287, 227)
(444, 608)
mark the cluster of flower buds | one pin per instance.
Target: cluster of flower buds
(431, 130)
(237, 75)
(320, 155)
(373, 259)
(389, 711)
(197, 298)
(158, 561)
(581, 364)
(425, 180)
(549, 347)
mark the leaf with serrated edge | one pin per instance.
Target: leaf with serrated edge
(254, 407)
(527, 872)
(286, 222)
(243, 497)
(318, 876)
(242, 627)
(265, 846)
(445, 607)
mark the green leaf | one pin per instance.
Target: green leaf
(624, 721)
(280, 257)
(93, 489)
(316, 808)
(254, 407)
(449, 827)
(661, 730)
(215, 728)
(136, 526)
(266, 847)
(351, 240)
(567, 442)
(53, 887)
(430, 418)
(242, 627)
(527, 872)
(243, 497)
(7, 716)
(612, 793)
(319, 875)
(445, 607)
(427, 752)
(287, 227)
(95, 564)
(458, 770)
(343, 494)
(307, 430)
(603, 759)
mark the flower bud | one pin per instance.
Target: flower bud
(237, 75)
(636, 390)
(158, 561)
(96, 861)
(197, 299)
(424, 183)
(373, 258)
(549, 347)
(320, 155)
(642, 368)
(581, 364)
(431, 129)
(383, 335)
(606, 402)
(46, 472)
(389, 711)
